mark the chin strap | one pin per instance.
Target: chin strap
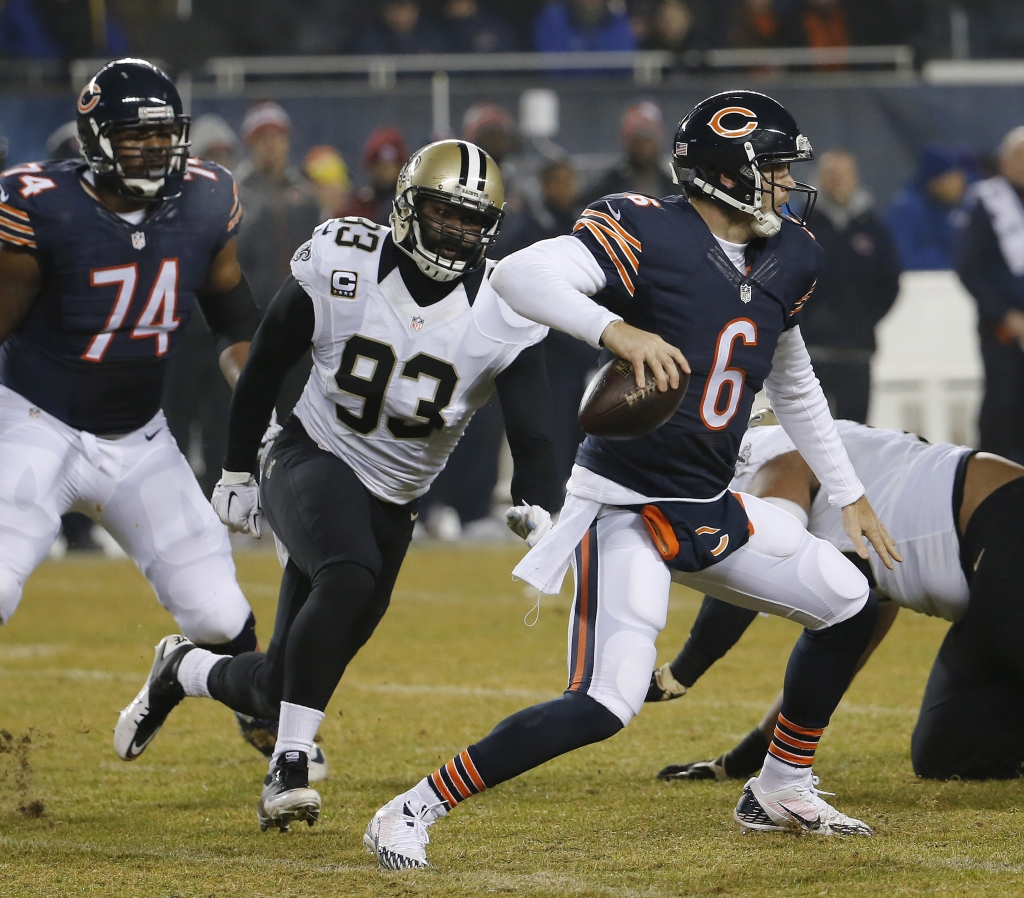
(765, 224)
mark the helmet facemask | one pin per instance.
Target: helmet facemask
(446, 250)
(144, 173)
(754, 191)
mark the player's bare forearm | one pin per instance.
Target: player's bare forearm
(860, 520)
(232, 361)
(638, 346)
(786, 476)
(20, 280)
(224, 272)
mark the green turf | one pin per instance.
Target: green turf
(452, 658)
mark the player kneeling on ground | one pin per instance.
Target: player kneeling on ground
(409, 340)
(959, 516)
(103, 260)
(720, 276)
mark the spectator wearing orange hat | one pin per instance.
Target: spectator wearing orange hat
(326, 170)
(281, 210)
(643, 169)
(384, 154)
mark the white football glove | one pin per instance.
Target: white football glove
(530, 522)
(236, 499)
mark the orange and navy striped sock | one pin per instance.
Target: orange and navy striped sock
(794, 745)
(456, 781)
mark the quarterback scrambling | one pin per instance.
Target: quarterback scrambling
(711, 282)
(409, 339)
(102, 261)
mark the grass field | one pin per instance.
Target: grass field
(451, 659)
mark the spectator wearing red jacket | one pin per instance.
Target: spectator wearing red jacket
(384, 154)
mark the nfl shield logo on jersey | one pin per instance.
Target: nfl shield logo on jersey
(417, 324)
(138, 240)
(746, 294)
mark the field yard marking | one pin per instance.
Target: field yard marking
(70, 673)
(30, 650)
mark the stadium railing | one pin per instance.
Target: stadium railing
(231, 73)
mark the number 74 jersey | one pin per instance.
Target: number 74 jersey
(394, 384)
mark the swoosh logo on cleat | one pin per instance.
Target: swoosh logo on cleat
(149, 436)
(803, 821)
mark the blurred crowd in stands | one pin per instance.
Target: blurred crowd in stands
(184, 33)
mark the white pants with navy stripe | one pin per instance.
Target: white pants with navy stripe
(140, 488)
(622, 589)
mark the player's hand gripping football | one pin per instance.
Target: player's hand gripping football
(236, 499)
(860, 520)
(637, 346)
(529, 522)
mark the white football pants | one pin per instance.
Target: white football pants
(622, 588)
(140, 488)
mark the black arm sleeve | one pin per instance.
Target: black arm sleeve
(525, 396)
(717, 629)
(281, 340)
(232, 316)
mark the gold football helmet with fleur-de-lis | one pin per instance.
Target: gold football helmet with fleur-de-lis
(455, 173)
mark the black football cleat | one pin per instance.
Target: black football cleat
(286, 794)
(697, 770)
(139, 723)
(261, 734)
(664, 686)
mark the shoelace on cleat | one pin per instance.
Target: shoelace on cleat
(401, 837)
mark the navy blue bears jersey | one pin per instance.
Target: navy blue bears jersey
(115, 296)
(667, 274)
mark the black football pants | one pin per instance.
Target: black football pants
(346, 548)
(972, 716)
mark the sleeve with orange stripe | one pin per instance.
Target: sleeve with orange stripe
(16, 226)
(608, 228)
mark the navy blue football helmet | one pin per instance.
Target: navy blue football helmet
(134, 95)
(740, 133)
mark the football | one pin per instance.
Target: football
(615, 408)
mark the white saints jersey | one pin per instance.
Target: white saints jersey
(909, 483)
(394, 384)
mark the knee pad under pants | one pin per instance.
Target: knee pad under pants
(784, 571)
(620, 607)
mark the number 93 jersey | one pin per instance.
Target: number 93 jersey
(394, 384)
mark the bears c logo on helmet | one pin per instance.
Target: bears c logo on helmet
(89, 97)
(743, 130)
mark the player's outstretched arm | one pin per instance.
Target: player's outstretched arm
(860, 520)
(20, 279)
(230, 310)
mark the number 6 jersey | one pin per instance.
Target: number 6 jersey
(394, 384)
(114, 294)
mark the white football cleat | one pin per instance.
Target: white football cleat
(795, 809)
(397, 834)
(139, 723)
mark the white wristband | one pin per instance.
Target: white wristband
(234, 478)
